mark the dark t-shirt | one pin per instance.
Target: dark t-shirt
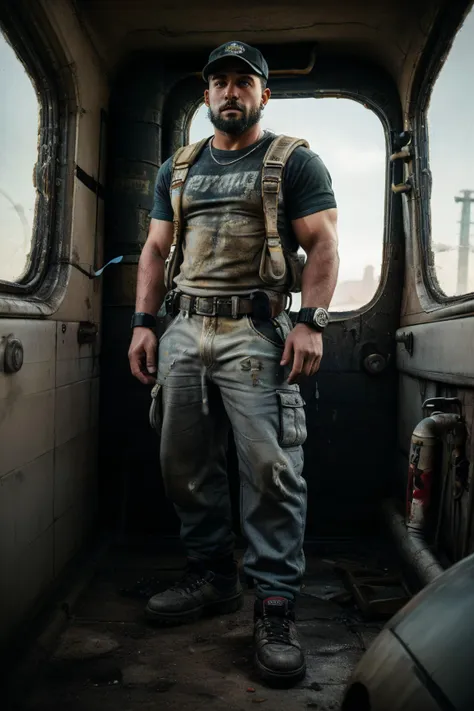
(223, 215)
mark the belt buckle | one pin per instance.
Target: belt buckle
(201, 305)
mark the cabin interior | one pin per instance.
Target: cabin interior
(94, 96)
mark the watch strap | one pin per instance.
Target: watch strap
(307, 315)
(144, 320)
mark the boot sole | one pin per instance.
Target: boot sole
(219, 607)
(278, 678)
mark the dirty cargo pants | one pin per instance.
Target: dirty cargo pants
(268, 422)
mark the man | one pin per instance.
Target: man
(231, 357)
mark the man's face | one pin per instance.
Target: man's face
(235, 100)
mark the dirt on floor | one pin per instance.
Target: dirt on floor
(110, 657)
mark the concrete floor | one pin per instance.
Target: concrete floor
(109, 657)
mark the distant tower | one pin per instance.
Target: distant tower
(367, 286)
(463, 256)
(368, 277)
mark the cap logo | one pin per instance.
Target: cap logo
(235, 48)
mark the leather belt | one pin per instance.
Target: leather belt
(233, 306)
(260, 304)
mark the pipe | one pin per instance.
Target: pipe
(304, 71)
(297, 72)
(412, 545)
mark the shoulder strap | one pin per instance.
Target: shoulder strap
(274, 163)
(183, 159)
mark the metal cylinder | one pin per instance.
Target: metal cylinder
(422, 463)
(420, 474)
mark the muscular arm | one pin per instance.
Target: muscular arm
(150, 294)
(317, 235)
(151, 267)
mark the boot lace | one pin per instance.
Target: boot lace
(191, 580)
(277, 629)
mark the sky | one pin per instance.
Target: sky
(348, 137)
(18, 153)
(451, 132)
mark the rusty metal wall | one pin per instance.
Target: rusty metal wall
(49, 408)
(130, 483)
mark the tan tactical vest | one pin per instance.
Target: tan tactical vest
(277, 263)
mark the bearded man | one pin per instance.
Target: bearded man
(236, 209)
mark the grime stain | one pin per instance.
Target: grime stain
(254, 366)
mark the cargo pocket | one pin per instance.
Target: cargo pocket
(292, 418)
(156, 408)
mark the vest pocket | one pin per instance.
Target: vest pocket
(292, 418)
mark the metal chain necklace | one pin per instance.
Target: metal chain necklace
(257, 145)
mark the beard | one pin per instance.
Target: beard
(235, 126)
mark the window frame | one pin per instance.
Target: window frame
(441, 40)
(372, 88)
(31, 44)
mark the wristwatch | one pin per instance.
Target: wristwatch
(316, 318)
(143, 320)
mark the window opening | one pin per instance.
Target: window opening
(450, 122)
(19, 122)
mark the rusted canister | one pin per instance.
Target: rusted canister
(420, 480)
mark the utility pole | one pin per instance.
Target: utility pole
(463, 255)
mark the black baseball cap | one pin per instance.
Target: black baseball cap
(237, 50)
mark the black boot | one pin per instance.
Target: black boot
(278, 655)
(199, 591)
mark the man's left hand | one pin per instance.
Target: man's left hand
(305, 346)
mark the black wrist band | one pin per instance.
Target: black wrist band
(143, 320)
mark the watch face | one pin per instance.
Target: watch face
(321, 318)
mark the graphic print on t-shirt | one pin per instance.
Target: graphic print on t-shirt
(243, 183)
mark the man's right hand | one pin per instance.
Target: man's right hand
(142, 355)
